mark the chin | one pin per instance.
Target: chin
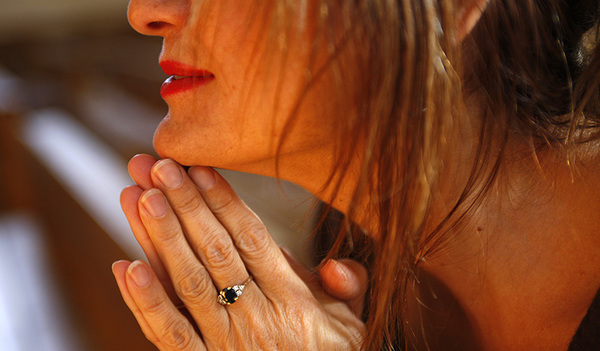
(184, 151)
(169, 145)
(183, 143)
(190, 148)
(181, 154)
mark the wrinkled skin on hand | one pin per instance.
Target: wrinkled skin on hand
(199, 238)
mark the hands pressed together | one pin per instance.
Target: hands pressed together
(200, 238)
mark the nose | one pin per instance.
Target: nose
(158, 17)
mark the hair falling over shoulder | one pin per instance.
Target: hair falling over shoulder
(534, 67)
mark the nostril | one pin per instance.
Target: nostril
(157, 17)
(156, 25)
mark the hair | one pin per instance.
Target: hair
(534, 68)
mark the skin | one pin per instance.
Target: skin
(526, 267)
(343, 279)
(214, 110)
(523, 271)
(205, 212)
(236, 121)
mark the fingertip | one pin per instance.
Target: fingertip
(119, 267)
(130, 192)
(119, 270)
(153, 203)
(139, 273)
(334, 276)
(120, 263)
(141, 158)
(344, 278)
(358, 281)
(129, 199)
(139, 169)
(356, 274)
(204, 177)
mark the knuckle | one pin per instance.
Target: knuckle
(154, 307)
(165, 229)
(192, 286)
(189, 206)
(177, 335)
(254, 239)
(168, 235)
(226, 201)
(219, 252)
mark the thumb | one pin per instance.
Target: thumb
(346, 280)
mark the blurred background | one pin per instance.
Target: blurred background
(79, 95)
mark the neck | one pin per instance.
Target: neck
(525, 266)
(311, 170)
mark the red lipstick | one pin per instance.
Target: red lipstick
(182, 78)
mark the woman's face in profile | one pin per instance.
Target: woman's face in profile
(237, 86)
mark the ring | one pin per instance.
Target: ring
(230, 294)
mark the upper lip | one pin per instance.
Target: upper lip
(174, 68)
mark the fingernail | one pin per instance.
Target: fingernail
(204, 177)
(340, 271)
(139, 274)
(168, 173)
(155, 203)
(115, 263)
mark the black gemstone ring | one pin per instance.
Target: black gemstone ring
(230, 294)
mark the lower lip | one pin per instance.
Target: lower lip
(174, 85)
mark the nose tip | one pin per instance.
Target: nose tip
(157, 17)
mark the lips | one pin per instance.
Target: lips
(182, 78)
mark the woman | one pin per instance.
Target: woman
(460, 135)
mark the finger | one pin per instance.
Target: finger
(119, 270)
(209, 239)
(170, 329)
(190, 278)
(346, 280)
(129, 203)
(254, 243)
(139, 169)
